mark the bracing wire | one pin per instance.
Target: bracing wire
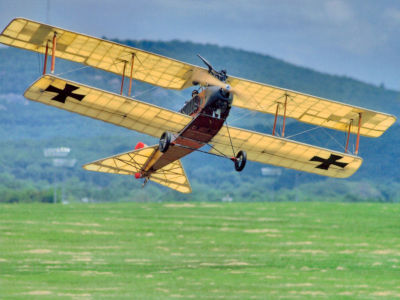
(302, 132)
(39, 62)
(73, 70)
(335, 140)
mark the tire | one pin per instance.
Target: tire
(165, 141)
(240, 161)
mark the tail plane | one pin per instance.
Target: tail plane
(134, 162)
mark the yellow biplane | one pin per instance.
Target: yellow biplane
(201, 121)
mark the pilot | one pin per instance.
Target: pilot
(196, 99)
(222, 75)
(191, 105)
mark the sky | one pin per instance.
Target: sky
(355, 38)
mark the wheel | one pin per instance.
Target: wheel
(240, 160)
(165, 141)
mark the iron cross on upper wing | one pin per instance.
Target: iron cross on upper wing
(62, 94)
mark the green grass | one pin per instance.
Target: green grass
(200, 251)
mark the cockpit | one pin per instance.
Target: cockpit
(212, 101)
(192, 105)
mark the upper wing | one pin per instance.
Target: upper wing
(108, 107)
(129, 163)
(309, 109)
(285, 153)
(98, 53)
(169, 73)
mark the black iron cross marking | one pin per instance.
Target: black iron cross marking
(63, 94)
(326, 163)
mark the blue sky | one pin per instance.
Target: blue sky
(356, 38)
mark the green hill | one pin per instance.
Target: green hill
(27, 127)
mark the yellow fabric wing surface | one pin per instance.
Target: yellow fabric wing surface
(106, 106)
(285, 153)
(169, 73)
(309, 109)
(98, 53)
(129, 163)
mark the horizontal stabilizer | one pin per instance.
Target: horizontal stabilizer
(129, 163)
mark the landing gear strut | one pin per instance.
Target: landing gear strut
(240, 160)
(165, 141)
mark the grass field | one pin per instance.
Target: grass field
(200, 251)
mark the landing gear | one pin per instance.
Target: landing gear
(164, 142)
(240, 160)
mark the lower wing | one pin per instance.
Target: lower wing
(268, 149)
(106, 106)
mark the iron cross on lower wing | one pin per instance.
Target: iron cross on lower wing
(62, 94)
(331, 160)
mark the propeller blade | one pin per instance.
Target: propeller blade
(204, 78)
(210, 67)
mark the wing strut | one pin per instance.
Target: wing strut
(276, 118)
(130, 77)
(358, 132)
(45, 58)
(348, 137)
(284, 115)
(53, 52)
(123, 78)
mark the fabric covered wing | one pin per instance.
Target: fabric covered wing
(106, 106)
(309, 109)
(285, 153)
(129, 163)
(169, 73)
(98, 53)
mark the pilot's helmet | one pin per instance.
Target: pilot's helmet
(195, 92)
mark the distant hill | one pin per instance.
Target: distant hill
(25, 125)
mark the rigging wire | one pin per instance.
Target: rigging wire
(39, 62)
(145, 91)
(304, 131)
(333, 138)
(73, 70)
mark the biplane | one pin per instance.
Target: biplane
(201, 121)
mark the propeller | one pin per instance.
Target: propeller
(205, 78)
(213, 77)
